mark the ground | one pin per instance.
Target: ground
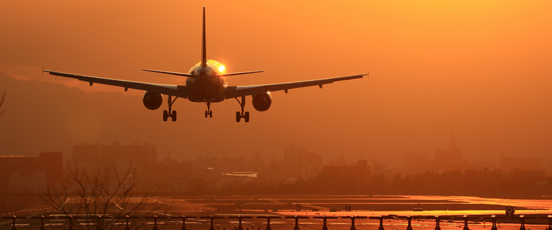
(198, 209)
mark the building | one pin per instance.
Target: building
(163, 175)
(20, 182)
(185, 182)
(449, 159)
(361, 171)
(94, 157)
(339, 162)
(26, 174)
(414, 163)
(377, 167)
(299, 163)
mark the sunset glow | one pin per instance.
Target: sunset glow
(468, 79)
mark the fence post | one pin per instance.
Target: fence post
(494, 223)
(324, 218)
(127, 228)
(522, 227)
(353, 223)
(549, 222)
(212, 227)
(183, 222)
(14, 228)
(240, 226)
(155, 222)
(381, 224)
(409, 227)
(437, 223)
(42, 222)
(296, 223)
(268, 223)
(466, 223)
(70, 222)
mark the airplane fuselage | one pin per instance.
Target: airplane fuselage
(206, 86)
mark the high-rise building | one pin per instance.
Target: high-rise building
(449, 159)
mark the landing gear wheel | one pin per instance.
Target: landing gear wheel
(173, 115)
(165, 115)
(208, 112)
(241, 114)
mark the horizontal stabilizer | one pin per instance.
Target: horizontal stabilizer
(167, 72)
(239, 73)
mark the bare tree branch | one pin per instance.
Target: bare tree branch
(104, 193)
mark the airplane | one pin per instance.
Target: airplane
(205, 83)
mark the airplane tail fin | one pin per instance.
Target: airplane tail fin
(204, 45)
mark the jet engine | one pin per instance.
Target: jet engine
(152, 100)
(262, 101)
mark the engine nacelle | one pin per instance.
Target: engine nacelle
(262, 101)
(152, 100)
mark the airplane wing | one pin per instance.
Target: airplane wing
(174, 90)
(168, 72)
(238, 91)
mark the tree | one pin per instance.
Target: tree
(2, 103)
(103, 198)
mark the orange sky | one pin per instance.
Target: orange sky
(482, 68)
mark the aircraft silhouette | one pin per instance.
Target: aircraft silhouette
(205, 83)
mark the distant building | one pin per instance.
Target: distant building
(185, 181)
(26, 174)
(299, 163)
(361, 171)
(163, 175)
(92, 157)
(339, 162)
(53, 162)
(414, 163)
(377, 167)
(449, 159)
(19, 182)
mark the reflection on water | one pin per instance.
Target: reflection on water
(480, 205)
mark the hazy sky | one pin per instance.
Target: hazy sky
(482, 68)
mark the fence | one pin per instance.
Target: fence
(438, 219)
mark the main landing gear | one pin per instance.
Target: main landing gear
(208, 112)
(171, 113)
(242, 114)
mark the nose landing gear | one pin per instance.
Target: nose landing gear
(241, 115)
(171, 113)
(208, 112)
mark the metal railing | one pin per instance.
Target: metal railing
(438, 219)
